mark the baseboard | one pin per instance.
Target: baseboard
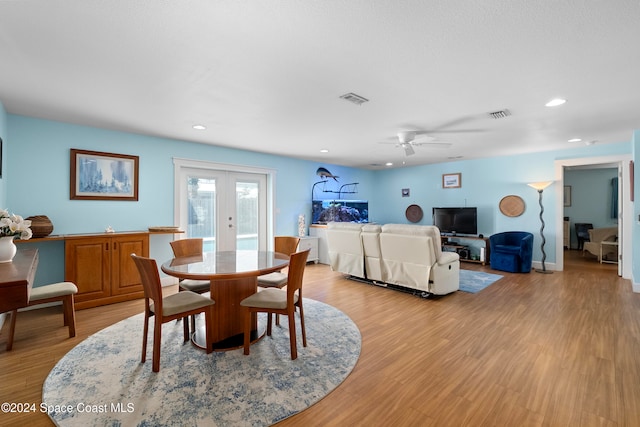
(635, 287)
(168, 281)
(547, 265)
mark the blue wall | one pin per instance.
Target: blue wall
(591, 195)
(39, 177)
(484, 183)
(40, 185)
(3, 135)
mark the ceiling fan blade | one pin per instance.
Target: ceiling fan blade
(408, 149)
(433, 144)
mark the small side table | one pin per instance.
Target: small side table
(309, 242)
(607, 243)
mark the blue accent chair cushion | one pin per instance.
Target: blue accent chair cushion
(511, 251)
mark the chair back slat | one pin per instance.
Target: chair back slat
(286, 244)
(150, 277)
(297, 264)
(186, 247)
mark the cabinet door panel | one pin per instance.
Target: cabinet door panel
(126, 278)
(87, 265)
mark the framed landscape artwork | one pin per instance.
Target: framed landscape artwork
(103, 176)
(451, 180)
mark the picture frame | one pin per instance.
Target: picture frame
(451, 180)
(567, 195)
(95, 175)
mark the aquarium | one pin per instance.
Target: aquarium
(324, 211)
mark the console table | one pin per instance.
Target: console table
(468, 253)
(16, 280)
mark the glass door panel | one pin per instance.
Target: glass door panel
(226, 209)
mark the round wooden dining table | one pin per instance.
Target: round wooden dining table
(233, 276)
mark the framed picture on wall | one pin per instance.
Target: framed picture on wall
(103, 176)
(567, 195)
(451, 180)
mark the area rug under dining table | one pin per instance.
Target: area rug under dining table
(101, 381)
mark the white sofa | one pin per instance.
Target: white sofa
(405, 255)
(345, 248)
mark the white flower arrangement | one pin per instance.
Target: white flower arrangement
(14, 225)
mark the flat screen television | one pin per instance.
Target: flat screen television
(456, 220)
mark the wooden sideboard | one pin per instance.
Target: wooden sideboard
(102, 268)
(16, 280)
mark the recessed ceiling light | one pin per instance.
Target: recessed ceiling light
(575, 140)
(324, 150)
(199, 127)
(388, 164)
(555, 102)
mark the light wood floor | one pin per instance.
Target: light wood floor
(531, 350)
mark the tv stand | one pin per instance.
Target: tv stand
(470, 248)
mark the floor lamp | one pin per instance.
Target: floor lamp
(540, 186)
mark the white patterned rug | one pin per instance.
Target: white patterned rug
(101, 381)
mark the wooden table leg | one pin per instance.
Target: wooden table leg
(227, 319)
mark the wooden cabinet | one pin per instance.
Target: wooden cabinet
(102, 268)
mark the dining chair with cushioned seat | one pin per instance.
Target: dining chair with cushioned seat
(64, 292)
(165, 309)
(185, 248)
(279, 301)
(285, 245)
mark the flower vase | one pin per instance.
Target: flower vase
(7, 249)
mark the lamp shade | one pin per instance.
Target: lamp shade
(540, 185)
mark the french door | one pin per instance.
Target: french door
(227, 209)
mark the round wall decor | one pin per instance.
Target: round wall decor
(512, 206)
(413, 213)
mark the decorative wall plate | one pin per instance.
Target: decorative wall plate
(512, 206)
(414, 213)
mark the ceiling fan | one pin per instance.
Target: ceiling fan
(407, 140)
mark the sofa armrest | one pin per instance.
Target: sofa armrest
(448, 258)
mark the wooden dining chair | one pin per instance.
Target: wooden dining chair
(284, 245)
(184, 248)
(166, 309)
(56, 292)
(279, 301)
(190, 247)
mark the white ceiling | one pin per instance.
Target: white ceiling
(268, 75)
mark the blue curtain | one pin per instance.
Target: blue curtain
(614, 197)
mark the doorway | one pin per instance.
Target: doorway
(228, 208)
(624, 206)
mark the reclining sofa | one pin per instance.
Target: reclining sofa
(404, 255)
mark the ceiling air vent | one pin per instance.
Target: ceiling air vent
(500, 114)
(356, 99)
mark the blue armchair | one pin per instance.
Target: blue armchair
(511, 251)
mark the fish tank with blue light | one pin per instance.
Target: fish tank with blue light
(324, 211)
